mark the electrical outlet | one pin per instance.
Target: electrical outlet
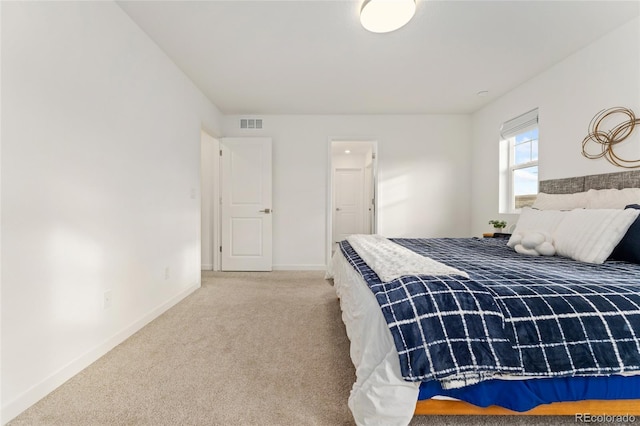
(106, 302)
(167, 273)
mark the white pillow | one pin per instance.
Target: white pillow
(612, 198)
(546, 201)
(591, 235)
(537, 221)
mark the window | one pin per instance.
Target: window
(519, 162)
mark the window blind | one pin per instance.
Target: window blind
(519, 124)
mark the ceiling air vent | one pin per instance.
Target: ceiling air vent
(251, 123)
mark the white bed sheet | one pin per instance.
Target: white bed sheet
(379, 396)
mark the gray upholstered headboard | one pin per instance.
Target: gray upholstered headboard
(618, 180)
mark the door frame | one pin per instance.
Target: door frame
(210, 170)
(330, 207)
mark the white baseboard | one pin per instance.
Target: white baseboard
(299, 267)
(206, 267)
(16, 406)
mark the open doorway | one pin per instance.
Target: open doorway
(209, 199)
(352, 189)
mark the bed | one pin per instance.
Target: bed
(397, 378)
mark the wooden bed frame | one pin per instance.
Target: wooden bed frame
(595, 407)
(619, 180)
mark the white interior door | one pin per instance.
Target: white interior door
(246, 204)
(348, 203)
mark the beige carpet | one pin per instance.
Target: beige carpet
(245, 349)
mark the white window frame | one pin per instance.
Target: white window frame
(508, 132)
(512, 169)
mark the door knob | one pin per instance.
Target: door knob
(265, 211)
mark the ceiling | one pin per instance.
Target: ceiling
(314, 57)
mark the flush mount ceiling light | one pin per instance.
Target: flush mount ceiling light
(383, 16)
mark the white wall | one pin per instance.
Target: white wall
(100, 188)
(604, 74)
(423, 177)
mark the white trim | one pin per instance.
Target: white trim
(329, 213)
(524, 165)
(216, 222)
(38, 391)
(511, 168)
(210, 179)
(299, 267)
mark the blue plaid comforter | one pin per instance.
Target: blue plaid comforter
(517, 315)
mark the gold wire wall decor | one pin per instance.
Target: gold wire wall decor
(608, 139)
